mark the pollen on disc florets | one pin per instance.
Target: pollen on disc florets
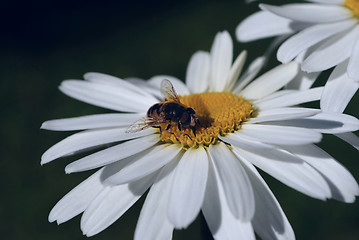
(219, 113)
(353, 5)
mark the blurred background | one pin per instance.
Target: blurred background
(44, 42)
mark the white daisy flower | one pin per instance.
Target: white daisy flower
(203, 160)
(325, 34)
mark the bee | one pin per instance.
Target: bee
(170, 111)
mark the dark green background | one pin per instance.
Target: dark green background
(43, 43)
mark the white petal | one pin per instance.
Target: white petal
(144, 165)
(112, 154)
(336, 2)
(279, 134)
(338, 90)
(331, 122)
(291, 99)
(257, 64)
(271, 81)
(114, 81)
(153, 222)
(264, 24)
(221, 61)
(309, 37)
(111, 203)
(309, 12)
(342, 184)
(353, 67)
(154, 91)
(106, 96)
(278, 114)
(276, 94)
(269, 219)
(244, 142)
(178, 85)
(252, 71)
(220, 220)
(87, 139)
(350, 138)
(197, 76)
(77, 200)
(236, 185)
(331, 52)
(188, 188)
(92, 121)
(288, 169)
(236, 69)
(303, 80)
(113, 168)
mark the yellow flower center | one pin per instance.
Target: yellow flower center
(353, 5)
(218, 113)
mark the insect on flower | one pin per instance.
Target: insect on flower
(170, 111)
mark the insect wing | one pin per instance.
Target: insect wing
(168, 91)
(141, 124)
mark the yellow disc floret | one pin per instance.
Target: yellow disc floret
(219, 113)
(353, 5)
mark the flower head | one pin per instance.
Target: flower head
(211, 167)
(325, 34)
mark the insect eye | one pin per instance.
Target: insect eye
(190, 111)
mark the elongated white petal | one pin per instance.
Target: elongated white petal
(114, 81)
(350, 138)
(332, 122)
(235, 70)
(269, 220)
(252, 71)
(197, 76)
(77, 200)
(279, 134)
(291, 99)
(264, 24)
(117, 166)
(106, 96)
(236, 185)
(220, 220)
(87, 139)
(331, 52)
(188, 187)
(278, 114)
(309, 12)
(111, 203)
(153, 222)
(271, 81)
(112, 154)
(338, 90)
(309, 37)
(279, 93)
(257, 64)
(353, 67)
(288, 169)
(154, 91)
(303, 80)
(92, 121)
(144, 165)
(244, 142)
(221, 61)
(342, 184)
(336, 2)
(178, 85)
